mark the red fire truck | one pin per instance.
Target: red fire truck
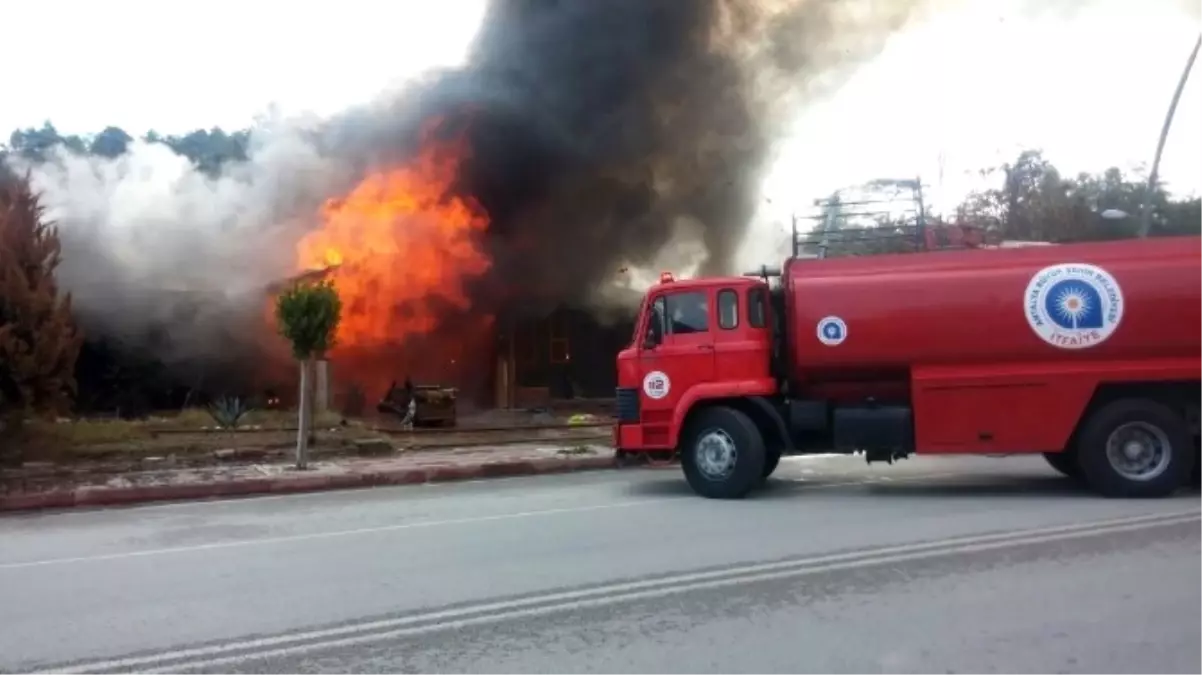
(1088, 354)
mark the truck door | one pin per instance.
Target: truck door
(679, 355)
(742, 341)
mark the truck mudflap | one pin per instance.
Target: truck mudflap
(770, 413)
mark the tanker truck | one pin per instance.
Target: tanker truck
(1088, 354)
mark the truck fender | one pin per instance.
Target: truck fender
(763, 405)
(709, 391)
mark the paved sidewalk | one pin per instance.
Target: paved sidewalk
(25, 492)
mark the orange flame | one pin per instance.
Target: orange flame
(399, 247)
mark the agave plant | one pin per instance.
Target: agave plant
(228, 411)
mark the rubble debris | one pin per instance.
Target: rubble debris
(421, 405)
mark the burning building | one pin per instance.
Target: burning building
(408, 251)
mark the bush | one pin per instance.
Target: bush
(308, 316)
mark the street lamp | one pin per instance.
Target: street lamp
(1145, 210)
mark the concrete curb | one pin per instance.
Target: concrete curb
(298, 482)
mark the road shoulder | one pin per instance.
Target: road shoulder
(408, 468)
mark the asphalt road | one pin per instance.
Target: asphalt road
(941, 565)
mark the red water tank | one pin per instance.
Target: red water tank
(876, 316)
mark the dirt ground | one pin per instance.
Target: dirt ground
(192, 437)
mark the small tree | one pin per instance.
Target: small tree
(38, 340)
(308, 316)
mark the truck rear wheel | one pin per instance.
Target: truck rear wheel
(1135, 448)
(1064, 462)
(723, 454)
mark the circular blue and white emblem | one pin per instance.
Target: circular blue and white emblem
(831, 331)
(1074, 305)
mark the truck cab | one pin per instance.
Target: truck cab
(696, 339)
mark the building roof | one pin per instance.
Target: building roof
(300, 277)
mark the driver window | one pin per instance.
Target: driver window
(688, 313)
(655, 322)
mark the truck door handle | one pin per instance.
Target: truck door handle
(706, 348)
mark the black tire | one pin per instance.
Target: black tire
(771, 461)
(748, 469)
(1064, 462)
(1102, 476)
(1195, 476)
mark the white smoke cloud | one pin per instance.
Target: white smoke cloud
(153, 244)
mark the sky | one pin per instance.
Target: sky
(963, 91)
(971, 88)
(218, 62)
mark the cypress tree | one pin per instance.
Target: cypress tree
(38, 339)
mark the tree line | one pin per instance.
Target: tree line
(1033, 201)
(1030, 200)
(208, 149)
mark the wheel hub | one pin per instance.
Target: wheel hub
(716, 454)
(1134, 449)
(1139, 451)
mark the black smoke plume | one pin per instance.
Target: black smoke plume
(604, 133)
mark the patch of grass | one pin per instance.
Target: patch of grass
(119, 440)
(189, 417)
(88, 432)
(327, 420)
(199, 418)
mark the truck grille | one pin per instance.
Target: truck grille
(627, 404)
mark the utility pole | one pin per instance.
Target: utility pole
(829, 222)
(920, 229)
(793, 237)
(1145, 209)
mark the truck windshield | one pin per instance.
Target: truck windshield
(688, 312)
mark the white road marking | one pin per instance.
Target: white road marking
(805, 484)
(442, 620)
(329, 535)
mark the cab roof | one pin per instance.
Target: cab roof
(705, 282)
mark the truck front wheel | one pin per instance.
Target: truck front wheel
(723, 454)
(1135, 448)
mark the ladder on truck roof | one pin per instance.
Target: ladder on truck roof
(882, 216)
